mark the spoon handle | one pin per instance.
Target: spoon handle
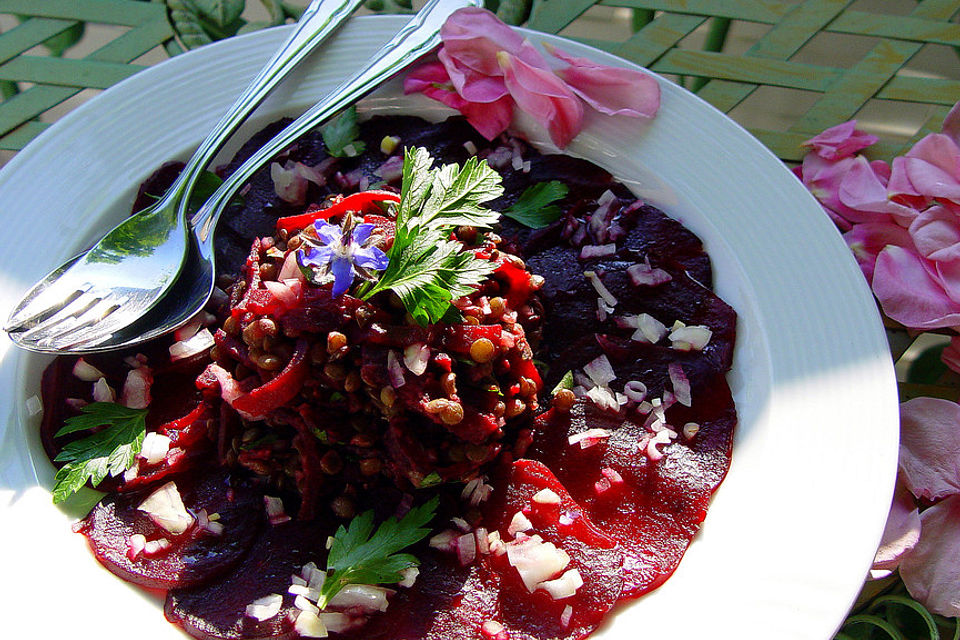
(416, 39)
(320, 19)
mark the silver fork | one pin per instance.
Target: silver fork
(129, 269)
(193, 287)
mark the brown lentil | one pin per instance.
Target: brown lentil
(330, 463)
(342, 507)
(335, 341)
(293, 243)
(514, 408)
(334, 371)
(436, 406)
(353, 382)
(270, 362)
(268, 271)
(231, 326)
(370, 466)
(500, 408)
(497, 306)
(528, 388)
(452, 413)
(563, 400)
(388, 396)
(318, 353)
(449, 384)
(268, 326)
(482, 350)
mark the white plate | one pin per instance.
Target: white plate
(791, 532)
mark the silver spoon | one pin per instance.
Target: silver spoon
(193, 288)
(129, 270)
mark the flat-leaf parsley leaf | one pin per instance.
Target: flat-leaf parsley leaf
(340, 135)
(111, 450)
(534, 207)
(360, 555)
(427, 269)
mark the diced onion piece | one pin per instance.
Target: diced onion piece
(391, 170)
(483, 540)
(445, 540)
(33, 404)
(367, 597)
(643, 275)
(690, 430)
(694, 337)
(600, 371)
(564, 586)
(589, 437)
(461, 524)
(135, 546)
(590, 251)
(165, 508)
(103, 392)
(131, 471)
(603, 310)
(492, 630)
(416, 357)
(470, 147)
(389, 144)
(535, 560)
(518, 523)
(314, 576)
(198, 343)
(156, 547)
(649, 329)
(337, 622)
(302, 603)
(664, 436)
(602, 291)
(276, 512)
(289, 185)
(308, 625)
(566, 616)
(188, 330)
(86, 371)
(546, 496)
(136, 388)
(605, 198)
(303, 590)
(408, 577)
(394, 370)
(681, 384)
(467, 548)
(635, 391)
(496, 544)
(603, 397)
(155, 447)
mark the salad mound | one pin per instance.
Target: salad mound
(449, 388)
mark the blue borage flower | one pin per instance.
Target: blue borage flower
(340, 253)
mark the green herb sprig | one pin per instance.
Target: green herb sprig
(109, 451)
(427, 269)
(534, 208)
(360, 555)
(340, 135)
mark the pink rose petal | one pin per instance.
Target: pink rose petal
(901, 532)
(610, 90)
(930, 447)
(867, 240)
(908, 292)
(474, 36)
(931, 572)
(951, 124)
(864, 196)
(471, 85)
(544, 96)
(840, 141)
(936, 234)
(951, 354)
(490, 120)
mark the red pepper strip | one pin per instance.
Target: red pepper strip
(354, 202)
(278, 391)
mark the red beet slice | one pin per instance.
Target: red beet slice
(195, 555)
(660, 505)
(217, 610)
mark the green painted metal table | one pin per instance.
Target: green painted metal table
(785, 69)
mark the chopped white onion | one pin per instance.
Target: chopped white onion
(566, 616)
(466, 549)
(483, 540)
(681, 384)
(536, 560)
(546, 496)
(86, 371)
(491, 630)
(155, 447)
(136, 388)
(369, 598)
(649, 329)
(288, 184)
(302, 603)
(600, 371)
(165, 508)
(156, 547)
(135, 546)
(337, 622)
(303, 590)
(416, 357)
(590, 251)
(445, 540)
(131, 471)
(602, 291)
(103, 392)
(188, 330)
(603, 397)
(663, 436)
(198, 343)
(564, 586)
(461, 524)
(643, 275)
(308, 625)
(408, 577)
(519, 522)
(496, 544)
(635, 391)
(694, 337)
(33, 404)
(470, 147)
(589, 437)
(276, 512)
(394, 370)
(690, 430)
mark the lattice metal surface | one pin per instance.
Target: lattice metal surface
(35, 80)
(837, 93)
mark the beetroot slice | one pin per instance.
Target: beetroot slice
(195, 556)
(660, 505)
(217, 610)
(594, 554)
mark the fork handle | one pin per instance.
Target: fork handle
(416, 39)
(319, 20)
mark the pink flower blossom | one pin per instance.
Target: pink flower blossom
(841, 141)
(930, 447)
(488, 69)
(930, 571)
(900, 535)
